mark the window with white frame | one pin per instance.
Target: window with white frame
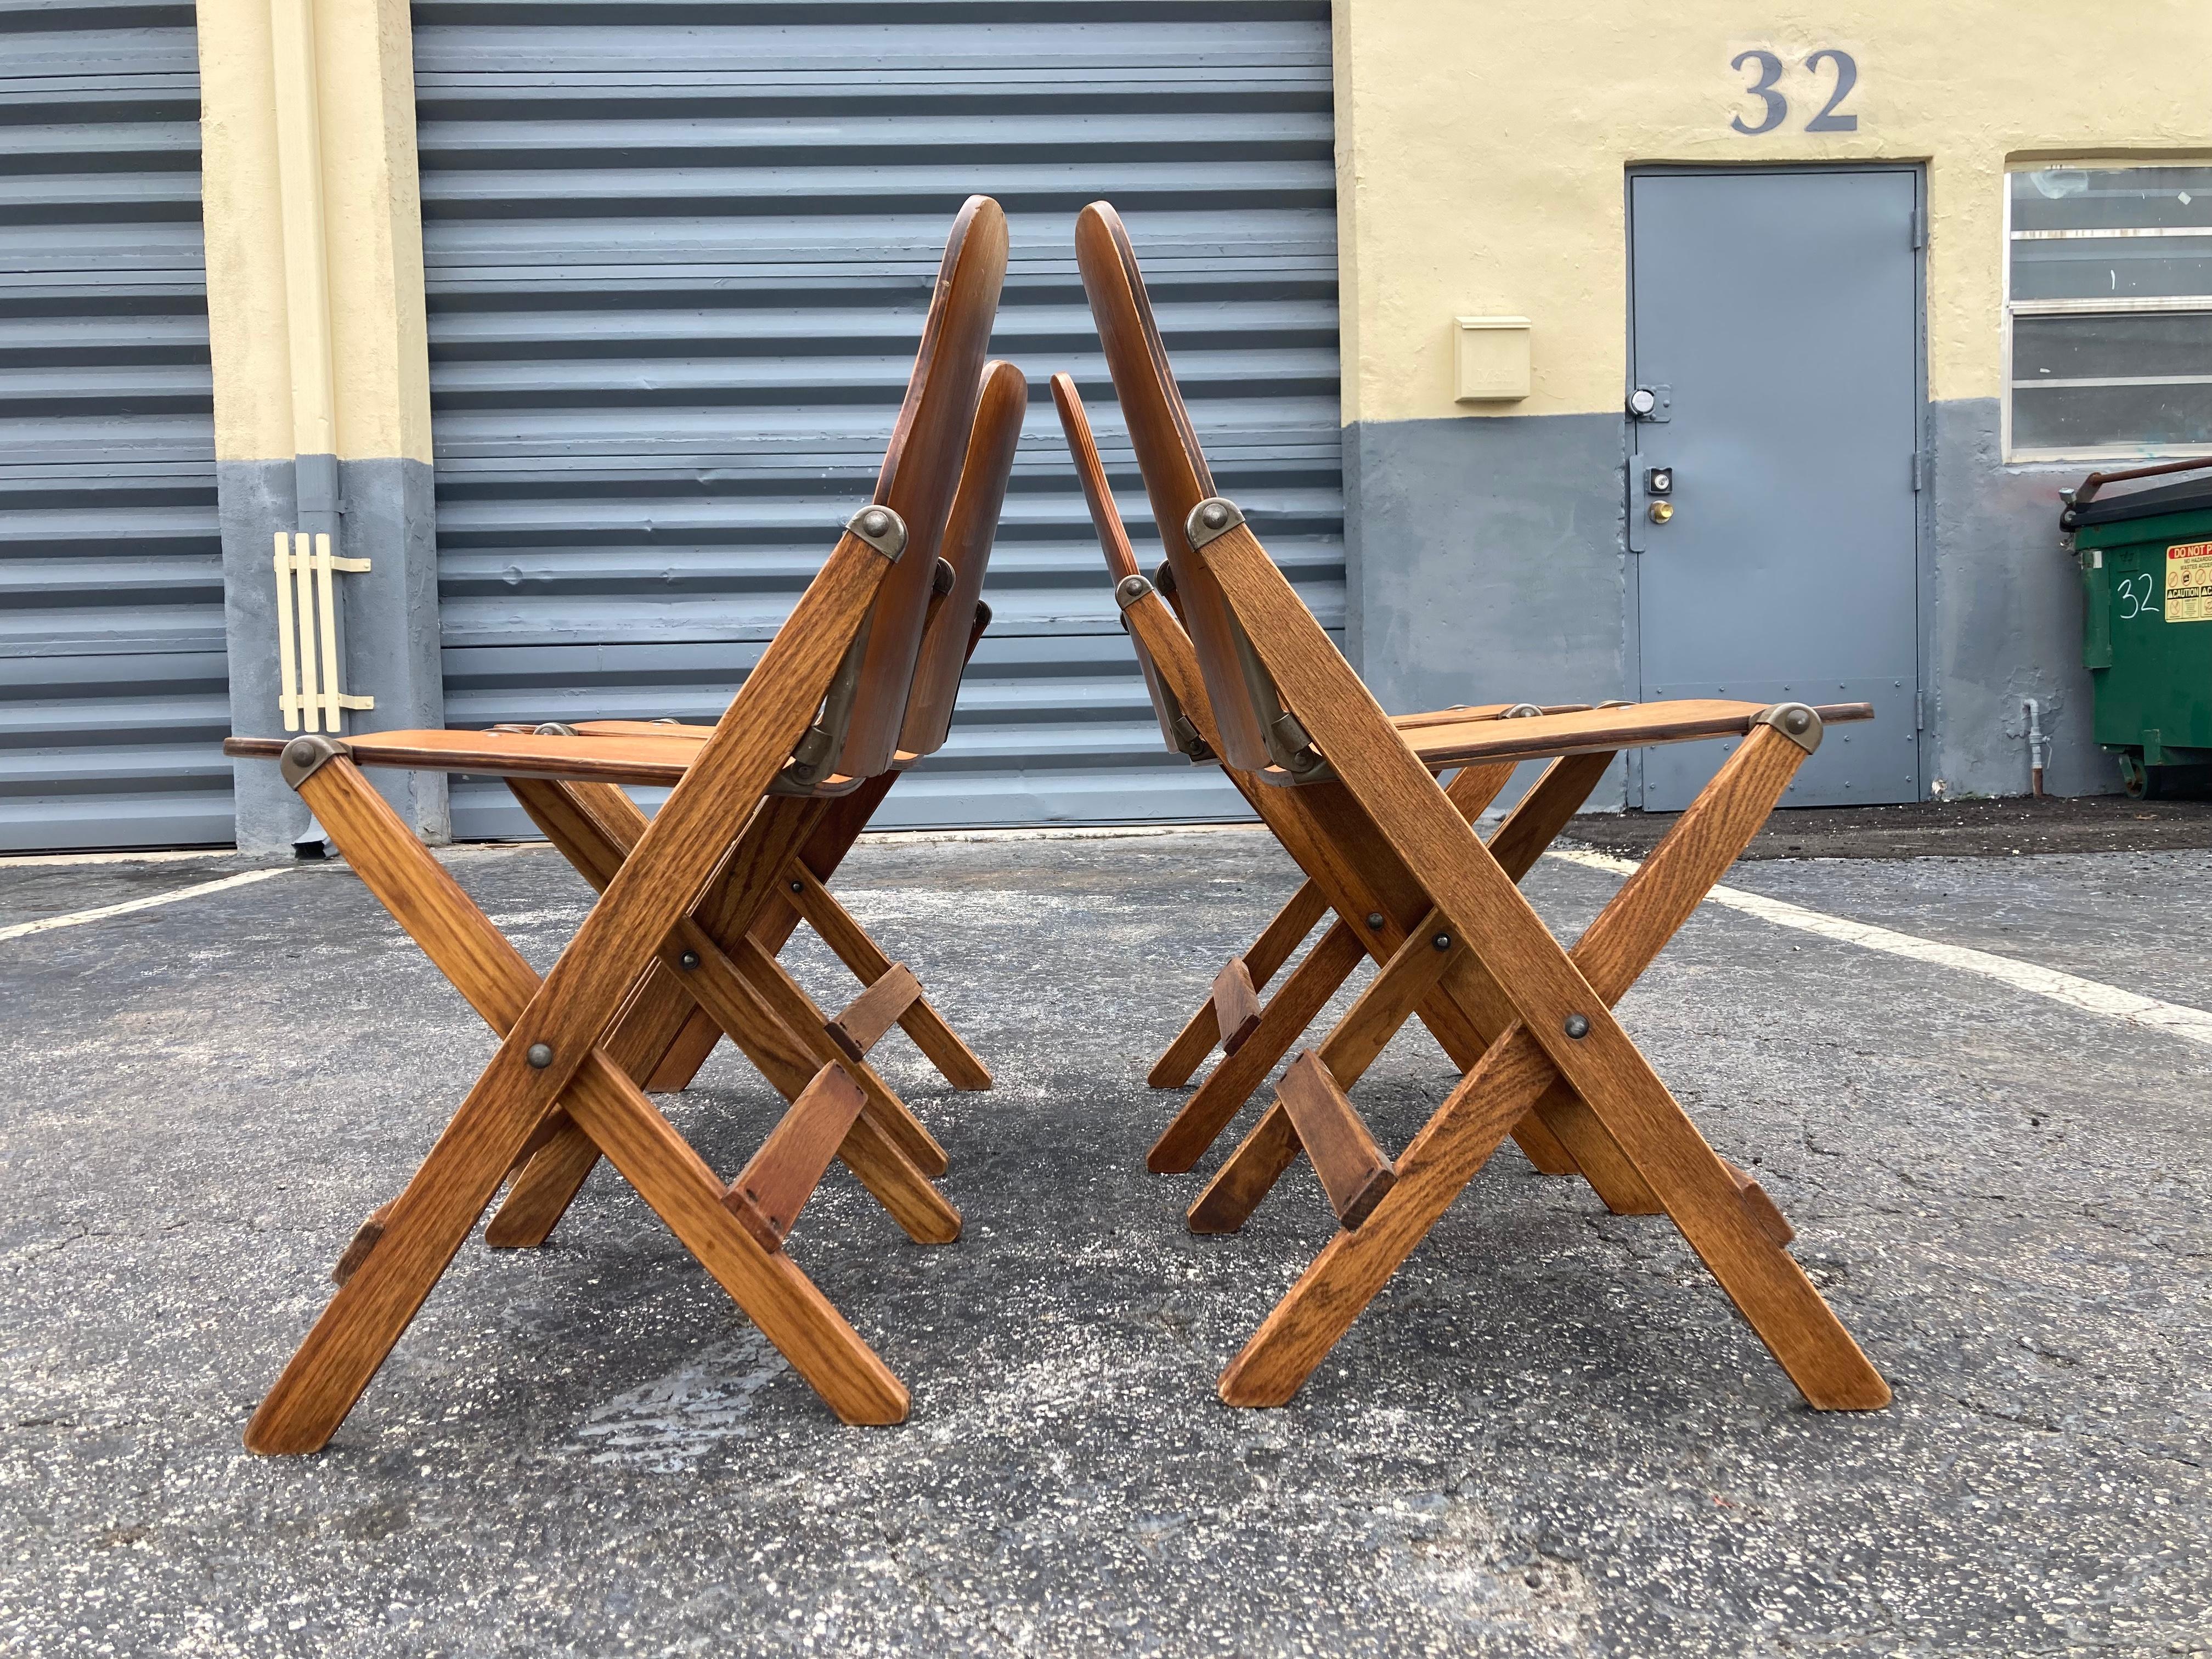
(2108, 309)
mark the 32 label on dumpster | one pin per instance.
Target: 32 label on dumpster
(2189, 582)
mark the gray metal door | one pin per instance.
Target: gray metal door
(1775, 316)
(678, 261)
(113, 700)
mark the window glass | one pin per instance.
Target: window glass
(2109, 293)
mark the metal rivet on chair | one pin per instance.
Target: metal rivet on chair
(1577, 1025)
(689, 959)
(875, 522)
(540, 1055)
(1442, 941)
(1797, 719)
(1213, 515)
(1375, 920)
(798, 886)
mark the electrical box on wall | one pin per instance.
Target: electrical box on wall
(1490, 359)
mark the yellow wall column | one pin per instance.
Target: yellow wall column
(315, 309)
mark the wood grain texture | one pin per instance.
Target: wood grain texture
(862, 1021)
(1545, 985)
(363, 1240)
(1763, 1211)
(778, 1180)
(955, 1061)
(921, 473)
(970, 528)
(796, 1317)
(1236, 1005)
(1293, 1008)
(565, 1013)
(735, 977)
(1280, 938)
(1354, 873)
(1353, 1171)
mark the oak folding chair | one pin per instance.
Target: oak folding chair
(890, 993)
(824, 703)
(1372, 904)
(1290, 712)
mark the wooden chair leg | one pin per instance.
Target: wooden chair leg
(801, 1322)
(1564, 1004)
(1277, 941)
(955, 1061)
(775, 1185)
(1293, 1008)
(1407, 983)
(426, 1224)
(1730, 1234)
(600, 824)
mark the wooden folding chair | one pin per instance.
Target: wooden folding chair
(891, 991)
(1290, 711)
(824, 702)
(1375, 903)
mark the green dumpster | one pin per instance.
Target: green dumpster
(2146, 560)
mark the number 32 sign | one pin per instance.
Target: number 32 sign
(1765, 68)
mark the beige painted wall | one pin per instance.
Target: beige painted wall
(371, 237)
(1481, 154)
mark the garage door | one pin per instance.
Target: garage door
(112, 687)
(678, 256)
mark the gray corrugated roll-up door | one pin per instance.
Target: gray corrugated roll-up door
(113, 679)
(678, 256)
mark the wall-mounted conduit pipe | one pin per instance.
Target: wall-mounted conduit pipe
(311, 649)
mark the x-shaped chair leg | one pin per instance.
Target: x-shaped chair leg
(1565, 1026)
(725, 970)
(551, 1058)
(1443, 983)
(1447, 971)
(602, 1104)
(1367, 884)
(806, 897)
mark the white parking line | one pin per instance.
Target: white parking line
(2087, 995)
(77, 918)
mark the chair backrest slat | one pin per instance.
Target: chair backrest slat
(921, 472)
(1177, 479)
(970, 528)
(1121, 560)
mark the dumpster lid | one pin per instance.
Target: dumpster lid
(2192, 495)
(2084, 507)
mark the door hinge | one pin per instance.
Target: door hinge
(1923, 470)
(1920, 711)
(1918, 228)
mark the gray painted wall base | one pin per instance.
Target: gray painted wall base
(391, 629)
(2006, 619)
(1486, 562)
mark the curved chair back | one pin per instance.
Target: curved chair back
(920, 474)
(957, 622)
(1177, 479)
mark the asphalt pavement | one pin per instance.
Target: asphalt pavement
(1549, 1435)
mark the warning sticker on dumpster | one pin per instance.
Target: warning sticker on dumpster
(2189, 582)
